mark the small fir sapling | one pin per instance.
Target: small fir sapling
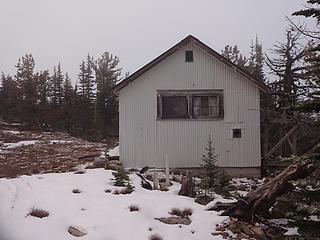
(121, 179)
(212, 179)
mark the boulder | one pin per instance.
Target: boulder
(76, 231)
(174, 220)
(116, 162)
(114, 167)
(203, 200)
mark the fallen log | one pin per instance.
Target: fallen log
(259, 201)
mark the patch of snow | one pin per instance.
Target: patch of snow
(102, 215)
(20, 144)
(292, 231)
(60, 142)
(12, 131)
(114, 151)
(314, 218)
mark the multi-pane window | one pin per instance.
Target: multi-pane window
(204, 104)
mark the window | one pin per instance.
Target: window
(190, 104)
(174, 107)
(205, 106)
(189, 56)
(236, 133)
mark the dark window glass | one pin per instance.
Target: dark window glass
(189, 56)
(236, 133)
(174, 107)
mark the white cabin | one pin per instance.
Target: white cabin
(169, 107)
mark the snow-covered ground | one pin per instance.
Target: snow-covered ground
(102, 215)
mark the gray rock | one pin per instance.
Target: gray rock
(175, 220)
(76, 231)
(203, 200)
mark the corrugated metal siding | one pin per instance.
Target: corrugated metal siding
(145, 141)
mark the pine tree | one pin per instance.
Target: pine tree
(233, 54)
(86, 80)
(8, 98)
(107, 74)
(57, 87)
(27, 90)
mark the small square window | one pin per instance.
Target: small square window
(236, 133)
(189, 56)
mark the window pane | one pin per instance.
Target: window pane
(204, 106)
(196, 106)
(214, 111)
(174, 106)
(236, 133)
(213, 100)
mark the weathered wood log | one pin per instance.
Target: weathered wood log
(144, 182)
(260, 200)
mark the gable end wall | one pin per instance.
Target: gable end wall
(146, 141)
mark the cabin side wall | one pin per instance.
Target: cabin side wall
(146, 141)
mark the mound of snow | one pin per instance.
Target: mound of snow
(97, 211)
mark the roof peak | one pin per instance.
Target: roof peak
(173, 49)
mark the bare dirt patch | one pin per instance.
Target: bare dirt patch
(52, 152)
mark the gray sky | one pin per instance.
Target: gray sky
(135, 30)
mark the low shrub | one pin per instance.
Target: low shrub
(134, 208)
(155, 237)
(37, 212)
(185, 213)
(76, 190)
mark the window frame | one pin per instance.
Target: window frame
(190, 94)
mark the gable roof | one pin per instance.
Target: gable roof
(175, 48)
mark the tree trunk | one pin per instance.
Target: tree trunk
(260, 200)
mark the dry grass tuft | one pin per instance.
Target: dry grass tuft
(185, 213)
(37, 212)
(76, 190)
(134, 208)
(122, 191)
(155, 237)
(176, 212)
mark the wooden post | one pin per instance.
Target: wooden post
(167, 172)
(155, 181)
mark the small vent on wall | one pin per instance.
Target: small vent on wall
(189, 56)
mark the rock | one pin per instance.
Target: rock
(177, 178)
(204, 200)
(76, 231)
(114, 167)
(187, 187)
(174, 220)
(116, 162)
(99, 162)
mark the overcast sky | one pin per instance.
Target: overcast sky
(135, 30)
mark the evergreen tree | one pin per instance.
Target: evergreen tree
(233, 54)
(8, 98)
(312, 54)
(107, 74)
(27, 90)
(86, 80)
(212, 179)
(57, 87)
